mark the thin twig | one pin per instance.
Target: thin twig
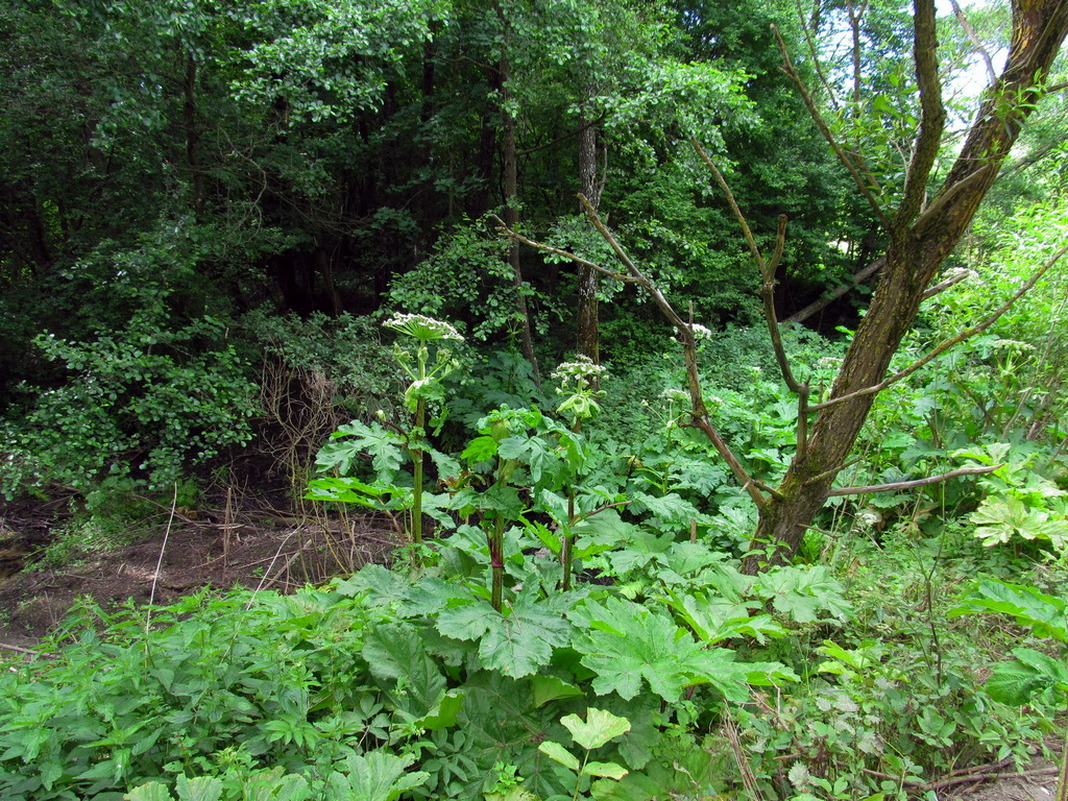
(919, 482)
(864, 182)
(159, 561)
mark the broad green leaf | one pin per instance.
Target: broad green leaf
(558, 753)
(153, 791)
(480, 449)
(999, 519)
(202, 788)
(1017, 682)
(395, 653)
(1044, 613)
(609, 770)
(375, 776)
(671, 508)
(517, 644)
(626, 643)
(385, 448)
(599, 727)
(275, 785)
(804, 594)
(550, 688)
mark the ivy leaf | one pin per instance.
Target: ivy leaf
(598, 729)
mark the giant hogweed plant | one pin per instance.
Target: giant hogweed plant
(427, 365)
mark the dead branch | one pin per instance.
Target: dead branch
(864, 181)
(969, 30)
(767, 273)
(833, 295)
(919, 482)
(700, 418)
(949, 343)
(566, 254)
(767, 295)
(941, 287)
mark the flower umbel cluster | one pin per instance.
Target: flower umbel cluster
(421, 327)
(578, 385)
(426, 377)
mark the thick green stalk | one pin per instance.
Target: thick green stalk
(569, 541)
(496, 549)
(417, 474)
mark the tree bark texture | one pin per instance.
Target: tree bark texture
(921, 236)
(588, 339)
(510, 170)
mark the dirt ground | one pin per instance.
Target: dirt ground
(217, 548)
(270, 549)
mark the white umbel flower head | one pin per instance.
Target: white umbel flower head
(421, 327)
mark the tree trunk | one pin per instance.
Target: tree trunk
(920, 241)
(510, 169)
(588, 339)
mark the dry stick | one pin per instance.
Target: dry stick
(814, 55)
(159, 562)
(949, 343)
(939, 288)
(267, 572)
(864, 182)
(919, 482)
(980, 48)
(826, 300)
(767, 295)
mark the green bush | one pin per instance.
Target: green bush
(147, 399)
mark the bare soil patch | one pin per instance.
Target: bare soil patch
(216, 548)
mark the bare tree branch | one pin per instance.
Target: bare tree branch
(833, 295)
(949, 343)
(864, 182)
(689, 345)
(566, 254)
(767, 271)
(938, 288)
(919, 482)
(969, 29)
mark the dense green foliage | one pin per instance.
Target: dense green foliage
(267, 230)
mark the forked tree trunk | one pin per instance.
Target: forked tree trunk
(921, 237)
